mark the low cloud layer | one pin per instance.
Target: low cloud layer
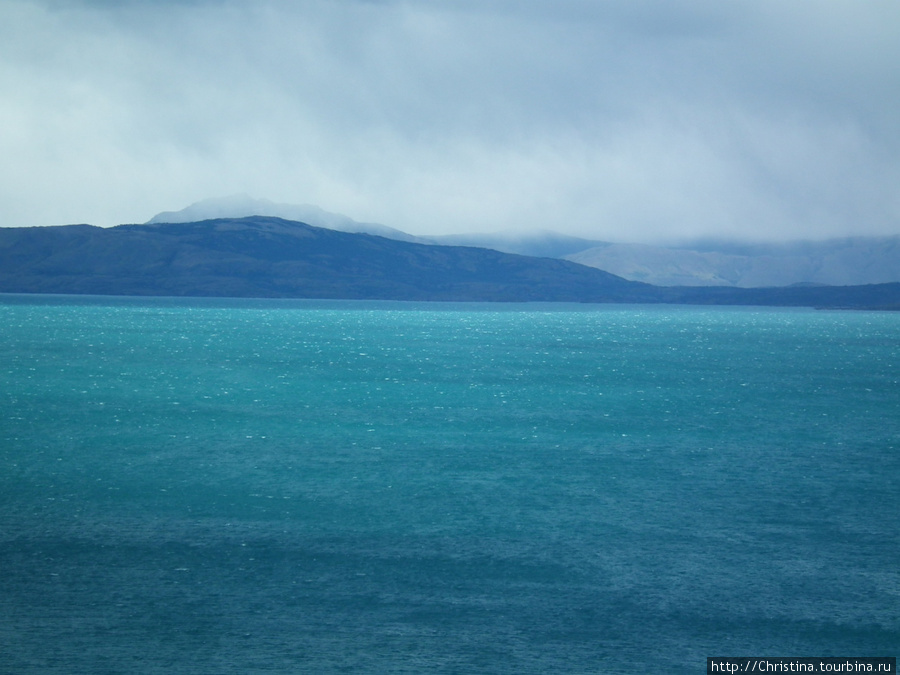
(627, 120)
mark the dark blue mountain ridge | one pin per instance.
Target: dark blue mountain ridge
(273, 257)
(263, 256)
(847, 261)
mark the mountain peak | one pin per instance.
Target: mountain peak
(243, 206)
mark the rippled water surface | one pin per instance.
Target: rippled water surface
(276, 487)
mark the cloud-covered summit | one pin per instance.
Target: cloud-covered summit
(243, 205)
(624, 120)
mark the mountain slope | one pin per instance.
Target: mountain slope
(244, 206)
(271, 257)
(543, 244)
(276, 258)
(849, 261)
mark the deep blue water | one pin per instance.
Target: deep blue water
(291, 487)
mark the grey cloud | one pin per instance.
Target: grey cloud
(620, 120)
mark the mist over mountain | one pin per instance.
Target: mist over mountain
(835, 262)
(263, 256)
(269, 257)
(541, 244)
(243, 206)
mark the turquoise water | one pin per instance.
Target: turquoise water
(285, 487)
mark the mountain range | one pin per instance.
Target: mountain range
(266, 256)
(837, 262)
(261, 256)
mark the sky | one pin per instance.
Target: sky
(619, 120)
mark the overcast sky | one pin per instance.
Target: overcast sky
(623, 120)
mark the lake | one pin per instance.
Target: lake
(263, 486)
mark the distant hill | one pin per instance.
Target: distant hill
(835, 262)
(243, 206)
(848, 261)
(543, 244)
(272, 257)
